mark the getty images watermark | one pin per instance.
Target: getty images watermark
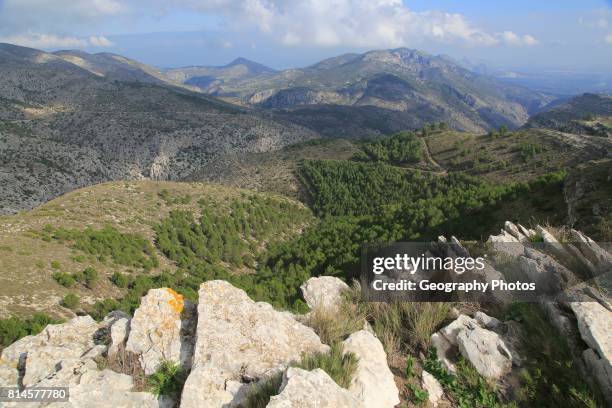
(480, 272)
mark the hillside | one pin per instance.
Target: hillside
(63, 126)
(405, 82)
(32, 253)
(587, 114)
(212, 79)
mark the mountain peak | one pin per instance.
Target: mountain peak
(252, 66)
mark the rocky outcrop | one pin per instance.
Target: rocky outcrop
(239, 342)
(323, 292)
(119, 332)
(433, 388)
(312, 389)
(37, 356)
(155, 330)
(373, 382)
(484, 349)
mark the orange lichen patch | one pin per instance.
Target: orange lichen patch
(176, 303)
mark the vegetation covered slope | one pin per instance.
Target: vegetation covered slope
(117, 229)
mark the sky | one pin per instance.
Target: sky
(539, 35)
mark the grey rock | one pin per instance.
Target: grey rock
(434, 390)
(323, 292)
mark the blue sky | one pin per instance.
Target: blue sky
(530, 35)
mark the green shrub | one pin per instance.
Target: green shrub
(120, 280)
(123, 249)
(70, 301)
(64, 279)
(549, 378)
(55, 265)
(90, 277)
(417, 394)
(259, 395)
(167, 380)
(340, 367)
(14, 328)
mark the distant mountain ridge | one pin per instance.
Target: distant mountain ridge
(404, 81)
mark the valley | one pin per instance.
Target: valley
(241, 196)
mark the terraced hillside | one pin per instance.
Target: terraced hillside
(111, 228)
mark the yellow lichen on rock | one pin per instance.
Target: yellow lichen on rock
(176, 303)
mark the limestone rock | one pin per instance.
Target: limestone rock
(373, 383)
(238, 339)
(595, 326)
(513, 230)
(433, 388)
(155, 330)
(9, 375)
(486, 351)
(323, 292)
(311, 389)
(444, 351)
(486, 321)
(39, 354)
(119, 332)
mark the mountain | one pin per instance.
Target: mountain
(587, 114)
(209, 79)
(410, 84)
(68, 121)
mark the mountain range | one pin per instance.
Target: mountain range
(69, 119)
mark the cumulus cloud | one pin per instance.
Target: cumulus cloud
(321, 23)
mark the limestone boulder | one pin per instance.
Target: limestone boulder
(38, 355)
(239, 340)
(323, 292)
(595, 326)
(312, 389)
(119, 332)
(373, 382)
(155, 329)
(9, 375)
(486, 351)
(435, 392)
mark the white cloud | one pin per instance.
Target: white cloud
(511, 38)
(46, 41)
(608, 38)
(320, 23)
(100, 41)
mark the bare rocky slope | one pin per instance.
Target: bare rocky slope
(70, 120)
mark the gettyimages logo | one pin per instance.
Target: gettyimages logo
(478, 272)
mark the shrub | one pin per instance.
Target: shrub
(14, 328)
(167, 380)
(340, 367)
(55, 265)
(120, 280)
(417, 394)
(64, 279)
(70, 301)
(333, 325)
(90, 277)
(259, 395)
